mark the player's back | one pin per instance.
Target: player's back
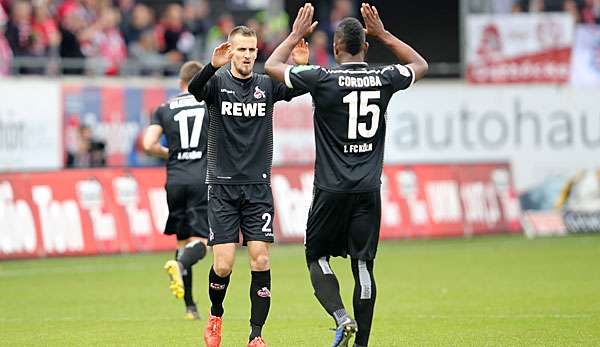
(184, 121)
(350, 103)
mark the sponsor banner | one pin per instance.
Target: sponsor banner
(417, 200)
(543, 223)
(519, 48)
(578, 222)
(540, 130)
(80, 212)
(585, 62)
(117, 116)
(83, 212)
(30, 132)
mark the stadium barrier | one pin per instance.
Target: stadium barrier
(540, 130)
(99, 211)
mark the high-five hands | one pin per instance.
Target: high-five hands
(300, 53)
(373, 24)
(221, 55)
(303, 25)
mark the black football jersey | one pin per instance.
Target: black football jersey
(350, 103)
(240, 135)
(185, 125)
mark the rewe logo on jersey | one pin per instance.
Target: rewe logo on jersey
(239, 109)
(259, 93)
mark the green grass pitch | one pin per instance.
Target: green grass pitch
(485, 291)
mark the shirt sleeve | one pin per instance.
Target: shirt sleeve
(304, 77)
(204, 83)
(401, 76)
(156, 118)
(282, 92)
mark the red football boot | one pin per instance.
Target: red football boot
(257, 342)
(212, 332)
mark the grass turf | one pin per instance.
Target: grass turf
(486, 291)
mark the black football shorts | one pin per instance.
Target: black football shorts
(187, 210)
(341, 224)
(245, 208)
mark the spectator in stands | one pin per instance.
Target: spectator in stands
(145, 52)
(71, 27)
(126, 9)
(319, 49)
(47, 35)
(103, 43)
(142, 19)
(572, 6)
(88, 152)
(197, 18)
(218, 34)
(175, 40)
(5, 51)
(19, 32)
(341, 9)
(591, 12)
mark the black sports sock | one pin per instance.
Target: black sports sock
(217, 287)
(188, 297)
(186, 275)
(192, 253)
(327, 288)
(260, 298)
(365, 292)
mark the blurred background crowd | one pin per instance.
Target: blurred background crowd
(151, 37)
(102, 36)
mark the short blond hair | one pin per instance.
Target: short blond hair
(189, 70)
(241, 30)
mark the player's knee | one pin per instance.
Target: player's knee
(222, 268)
(260, 262)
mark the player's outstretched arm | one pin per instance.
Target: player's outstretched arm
(151, 143)
(221, 56)
(403, 52)
(276, 65)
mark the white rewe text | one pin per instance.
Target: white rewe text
(239, 109)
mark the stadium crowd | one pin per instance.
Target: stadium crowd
(101, 36)
(131, 37)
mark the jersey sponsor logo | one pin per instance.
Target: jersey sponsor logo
(259, 93)
(359, 82)
(223, 90)
(264, 292)
(300, 68)
(403, 70)
(239, 109)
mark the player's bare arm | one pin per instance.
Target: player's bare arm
(151, 142)
(276, 65)
(221, 56)
(403, 52)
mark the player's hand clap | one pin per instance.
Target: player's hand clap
(373, 24)
(303, 25)
(300, 53)
(221, 55)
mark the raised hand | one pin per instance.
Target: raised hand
(373, 24)
(303, 25)
(300, 53)
(221, 55)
